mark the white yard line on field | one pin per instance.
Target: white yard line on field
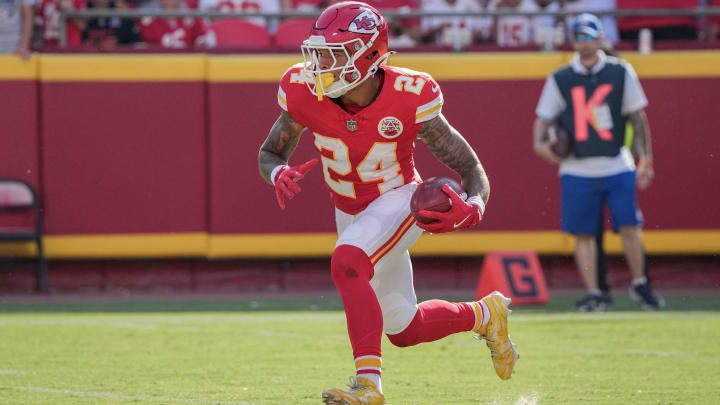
(613, 316)
(17, 372)
(659, 354)
(633, 352)
(525, 400)
(114, 323)
(154, 320)
(604, 352)
(136, 397)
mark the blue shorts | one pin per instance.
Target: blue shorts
(583, 199)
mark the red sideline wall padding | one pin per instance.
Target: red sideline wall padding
(19, 145)
(124, 157)
(241, 114)
(131, 157)
(496, 117)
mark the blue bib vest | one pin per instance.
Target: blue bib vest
(593, 118)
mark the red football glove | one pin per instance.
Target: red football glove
(462, 214)
(286, 178)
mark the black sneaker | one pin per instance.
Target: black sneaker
(606, 298)
(591, 303)
(648, 299)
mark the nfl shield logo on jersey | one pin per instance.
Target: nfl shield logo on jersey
(351, 125)
(390, 127)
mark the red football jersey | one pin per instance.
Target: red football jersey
(173, 32)
(48, 16)
(370, 152)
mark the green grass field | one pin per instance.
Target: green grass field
(253, 353)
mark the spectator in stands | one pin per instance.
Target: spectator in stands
(663, 28)
(176, 32)
(48, 16)
(16, 27)
(246, 6)
(712, 29)
(604, 93)
(486, 25)
(106, 33)
(306, 5)
(403, 32)
(549, 6)
(448, 30)
(548, 31)
(516, 30)
(593, 6)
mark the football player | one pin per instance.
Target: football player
(364, 118)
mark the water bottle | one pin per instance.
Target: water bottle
(645, 41)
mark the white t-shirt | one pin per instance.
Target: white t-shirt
(441, 6)
(519, 30)
(516, 30)
(11, 23)
(551, 104)
(247, 6)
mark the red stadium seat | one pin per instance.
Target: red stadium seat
(291, 33)
(236, 32)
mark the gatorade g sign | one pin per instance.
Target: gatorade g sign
(516, 274)
(520, 279)
(592, 111)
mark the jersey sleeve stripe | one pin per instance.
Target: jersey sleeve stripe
(437, 100)
(429, 114)
(281, 99)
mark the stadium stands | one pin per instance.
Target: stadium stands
(666, 27)
(234, 32)
(680, 24)
(290, 33)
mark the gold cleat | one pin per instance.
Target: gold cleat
(502, 350)
(362, 392)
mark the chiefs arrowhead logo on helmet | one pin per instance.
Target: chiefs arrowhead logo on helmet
(364, 23)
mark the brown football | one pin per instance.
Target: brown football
(429, 196)
(561, 146)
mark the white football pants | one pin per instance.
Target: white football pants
(385, 230)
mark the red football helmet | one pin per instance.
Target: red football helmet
(350, 28)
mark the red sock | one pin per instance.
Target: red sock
(434, 320)
(351, 271)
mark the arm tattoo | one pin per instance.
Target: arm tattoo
(279, 144)
(446, 143)
(641, 134)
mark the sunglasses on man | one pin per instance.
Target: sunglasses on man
(582, 37)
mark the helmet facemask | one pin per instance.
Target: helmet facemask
(353, 40)
(349, 76)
